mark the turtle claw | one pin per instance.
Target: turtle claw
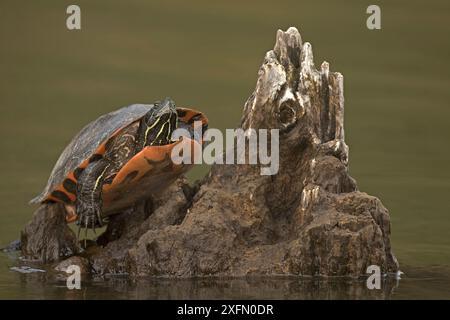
(79, 231)
(93, 226)
(88, 220)
(99, 219)
(85, 231)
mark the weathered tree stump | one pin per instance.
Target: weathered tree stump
(47, 237)
(309, 219)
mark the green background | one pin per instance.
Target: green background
(206, 54)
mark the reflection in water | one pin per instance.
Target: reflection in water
(250, 288)
(417, 283)
(241, 288)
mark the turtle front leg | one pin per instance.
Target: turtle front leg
(89, 195)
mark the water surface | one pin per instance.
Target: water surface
(206, 55)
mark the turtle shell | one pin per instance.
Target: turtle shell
(150, 169)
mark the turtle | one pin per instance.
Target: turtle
(118, 159)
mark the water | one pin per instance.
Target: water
(206, 55)
(418, 283)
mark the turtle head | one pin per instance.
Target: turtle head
(158, 124)
(166, 107)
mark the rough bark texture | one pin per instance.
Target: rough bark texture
(47, 237)
(309, 219)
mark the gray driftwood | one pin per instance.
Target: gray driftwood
(309, 219)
